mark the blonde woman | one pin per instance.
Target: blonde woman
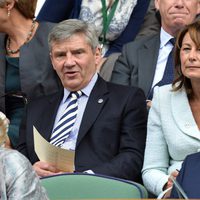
(17, 178)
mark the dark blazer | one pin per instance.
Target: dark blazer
(137, 64)
(66, 9)
(189, 177)
(112, 134)
(37, 76)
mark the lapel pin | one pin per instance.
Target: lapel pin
(100, 101)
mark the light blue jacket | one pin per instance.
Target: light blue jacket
(172, 134)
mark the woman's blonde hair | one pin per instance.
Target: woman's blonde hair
(3, 128)
(25, 7)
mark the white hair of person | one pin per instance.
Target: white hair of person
(67, 28)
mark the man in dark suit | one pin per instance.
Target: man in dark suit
(143, 61)
(109, 132)
(189, 177)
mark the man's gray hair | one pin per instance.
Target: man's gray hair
(67, 28)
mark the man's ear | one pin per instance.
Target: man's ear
(98, 55)
(52, 62)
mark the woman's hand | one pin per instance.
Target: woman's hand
(169, 183)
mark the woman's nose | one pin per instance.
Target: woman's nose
(192, 55)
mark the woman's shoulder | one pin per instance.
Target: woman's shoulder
(9, 156)
(164, 91)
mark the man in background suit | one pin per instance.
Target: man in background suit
(189, 177)
(143, 62)
(109, 133)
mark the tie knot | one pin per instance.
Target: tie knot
(172, 41)
(76, 94)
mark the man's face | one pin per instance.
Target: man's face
(74, 61)
(175, 14)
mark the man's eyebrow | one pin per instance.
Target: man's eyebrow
(79, 49)
(59, 52)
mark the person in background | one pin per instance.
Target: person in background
(151, 24)
(18, 180)
(104, 123)
(188, 178)
(25, 66)
(117, 21)
(147, 62)
(174, 118)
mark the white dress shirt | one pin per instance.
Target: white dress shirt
(70, 142)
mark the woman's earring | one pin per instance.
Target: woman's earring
(8, 13)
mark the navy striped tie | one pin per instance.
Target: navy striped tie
(66, 122)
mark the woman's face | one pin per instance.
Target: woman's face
(190, 58)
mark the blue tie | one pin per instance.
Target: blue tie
(168, 73)
(66, 122)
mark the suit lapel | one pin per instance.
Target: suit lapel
(185, 122)
(147, 58)
(49, 116)
(94, 105)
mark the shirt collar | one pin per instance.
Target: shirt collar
(86, 90)
(164, 38)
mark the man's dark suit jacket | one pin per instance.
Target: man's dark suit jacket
(189, 177)
(112, 134)
(137, 64)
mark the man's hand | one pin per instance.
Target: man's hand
(45, 169)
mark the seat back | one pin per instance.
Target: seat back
(87, 186)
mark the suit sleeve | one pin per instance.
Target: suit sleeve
(188, 177)
(132, 28)
(128, 162)
(179, 179)
(57, 11)
(123, 67)
(26, 131)
(156, 159)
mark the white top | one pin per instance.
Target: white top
(91, 12)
